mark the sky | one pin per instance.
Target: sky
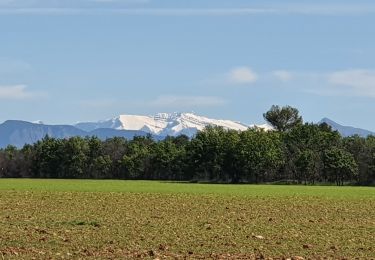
(64, 61)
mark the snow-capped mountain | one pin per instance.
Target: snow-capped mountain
(164, 124)
(18, 133)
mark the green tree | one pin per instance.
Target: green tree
(101, 167)
(283, 118)
(307, 165)
(339, 165)
(164, 157)
(206, 154)
(136, 161)
(74, 158)
(362, 150)
(48, 158)
(10, 162)
(231, 162)
(302, 142)
(115, 148)
(260, 154)
(368, 175)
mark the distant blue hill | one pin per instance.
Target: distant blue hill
(346, 130)
(19, 133)
(105, 133)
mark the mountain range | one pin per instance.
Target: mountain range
(19, 133)
(164, 124)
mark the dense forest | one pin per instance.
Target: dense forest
(295, 152)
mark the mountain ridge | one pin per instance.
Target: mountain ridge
(19, 133)
(346, 131)
(164, 124)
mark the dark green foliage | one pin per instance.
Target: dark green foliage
(136, 160)
(363, 151)
(307, 165)
(283, 118)
(304, 148)
(339, 165)
(260, 154)
(305, 153)
(207, 154)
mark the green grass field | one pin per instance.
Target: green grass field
(72, 219)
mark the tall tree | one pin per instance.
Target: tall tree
(206, 153)
(260, 153)
(307, 165)
(339, 165)
(283, 118)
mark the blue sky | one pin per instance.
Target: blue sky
(63, 61)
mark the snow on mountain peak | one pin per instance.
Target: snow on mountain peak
(164, 124)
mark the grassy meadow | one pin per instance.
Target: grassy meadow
(72, 219)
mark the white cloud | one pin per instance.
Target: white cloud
(327, 9)
(283, 75)
(9, 66)
(350, 82)
(99, 10)
(98, 103)
(120, 1)
(357, 78)
(97, 7)
(63, 3)
(359, 82)
(17, 92)
(242, 75)
(187, 101)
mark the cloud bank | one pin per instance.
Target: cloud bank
(17, 92)
(171, 101)
(131, 7)
(242, 75)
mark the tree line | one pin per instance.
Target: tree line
(295, 152)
